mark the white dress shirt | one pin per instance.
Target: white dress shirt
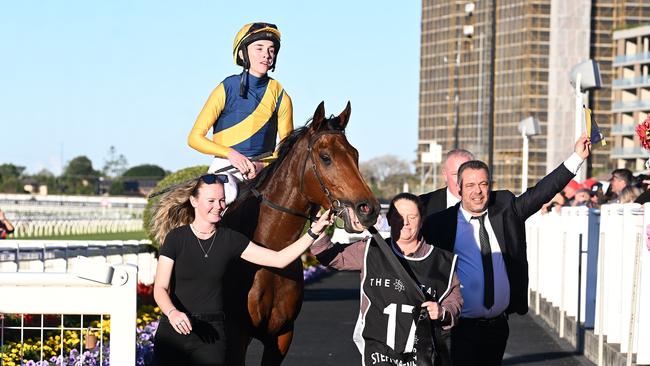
(451, 199)
(573, 163)
(470, 268)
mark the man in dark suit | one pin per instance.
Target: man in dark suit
(486, 230)
(448, 196)
(437, 201)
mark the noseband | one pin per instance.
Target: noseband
(336, 206)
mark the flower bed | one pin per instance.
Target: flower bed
(28, 352)
(312, 270)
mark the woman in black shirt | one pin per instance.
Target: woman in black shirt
(192, 262)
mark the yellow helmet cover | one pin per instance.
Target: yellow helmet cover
(252, 32)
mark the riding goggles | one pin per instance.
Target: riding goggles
(259, 26)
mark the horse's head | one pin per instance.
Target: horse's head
(331, 176)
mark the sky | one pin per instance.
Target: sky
(77, 77)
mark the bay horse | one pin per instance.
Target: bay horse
(316, 167)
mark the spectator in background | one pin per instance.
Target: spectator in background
(448, 196)
(620, 179)
(582, 198)
(644, 181)
(628, 194)
(598, 195)
(6, 227)
(569, 191)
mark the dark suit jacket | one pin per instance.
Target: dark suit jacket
(435, 201)
(507, 214)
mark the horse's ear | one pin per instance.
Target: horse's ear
(344, 117)
(319, 116)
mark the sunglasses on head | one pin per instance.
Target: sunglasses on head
(214, 178)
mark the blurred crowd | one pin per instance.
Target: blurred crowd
(622, 187)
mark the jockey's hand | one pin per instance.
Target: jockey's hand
(434, 309)
(258, 165)
(324, 221)
(180, 322)
(242, 163)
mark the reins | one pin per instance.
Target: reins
(336, 206)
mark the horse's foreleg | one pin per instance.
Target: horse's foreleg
(276, 348)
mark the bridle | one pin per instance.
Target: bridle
(336, 205)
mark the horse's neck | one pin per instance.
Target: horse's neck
(277, 229)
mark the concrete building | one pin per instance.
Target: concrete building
(631, 95)
(473, 95)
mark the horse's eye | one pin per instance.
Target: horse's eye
(326, 159)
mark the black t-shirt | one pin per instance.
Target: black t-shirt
(196, 281)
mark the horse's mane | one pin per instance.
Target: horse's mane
(284, 148)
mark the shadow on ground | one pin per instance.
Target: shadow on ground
(538, 357)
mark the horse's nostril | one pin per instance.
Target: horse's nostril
(364, 208)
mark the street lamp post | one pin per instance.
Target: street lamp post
(528, 127)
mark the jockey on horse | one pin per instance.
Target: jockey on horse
(247, 111)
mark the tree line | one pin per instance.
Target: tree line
(386, 175)
(79, 177)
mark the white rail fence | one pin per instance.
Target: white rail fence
(72, 200)
(34, 228)
(116, 296)
(594, 266)
(25, 207)
(68, 255)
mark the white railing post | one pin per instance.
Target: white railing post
(117, 299)
(632, 224)
(643, 306)
(613, 277)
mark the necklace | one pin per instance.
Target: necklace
(201, 232)
(205, 253)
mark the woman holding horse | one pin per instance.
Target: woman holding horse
(388, 310)
(246, 111)
(189, 278)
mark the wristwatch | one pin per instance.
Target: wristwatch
(312, 234)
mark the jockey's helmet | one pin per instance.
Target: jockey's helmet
(250, 33)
